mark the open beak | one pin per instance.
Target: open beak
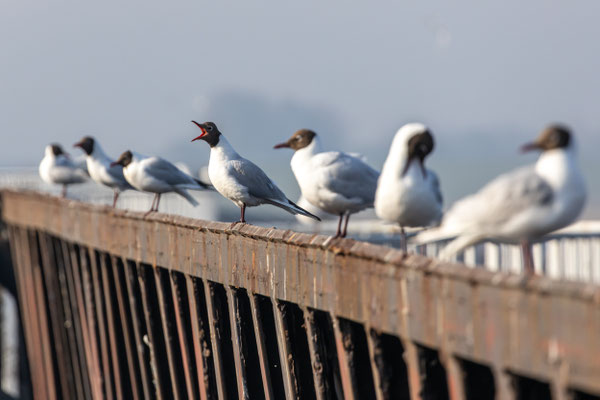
(283, 145)
(530, 147)
(202, 129)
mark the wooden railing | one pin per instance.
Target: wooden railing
(115, 305)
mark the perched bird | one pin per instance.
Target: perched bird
(57, 168)
(336, 182)
(407, 192)
(158, 176)
(240, 180)
(100, 169)
(522, 205)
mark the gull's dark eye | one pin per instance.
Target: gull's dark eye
(209, 128)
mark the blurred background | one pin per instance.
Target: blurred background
(485, 78)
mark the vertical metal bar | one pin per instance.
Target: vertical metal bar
(290, 382)
(263, 358)
(77, 308)
(130, 354)
(411, 359)
(239, 355)
(189, 365)
(96, 378)
(343, 344)
(40, 299)
(214, 339)
(102, 325)
(375, 351)
(92, 370)
(505, 389)
(68, 315)
(454, 376)
(20, 267)
(170, 343)
(112, 333)
(315, 356)
(198, 339)
(50, 270)
(138, 330)
(162, 384)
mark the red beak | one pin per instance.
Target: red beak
(202, 129)
(281, 145)
(77, 144)
(112, 164)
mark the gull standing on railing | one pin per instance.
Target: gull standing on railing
(240, 180)
(522, 205)
(100, 167)
(407, 192)
(158, 176)
(57, 168)
(336, 182)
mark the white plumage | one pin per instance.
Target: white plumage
(336, 182)
(101, 169)
(408, 193)
(239, 179)
(158, 176)
(57, 168)
(521, 205)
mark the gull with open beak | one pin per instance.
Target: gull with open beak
(100, 167)
(239, 179)
(335, 182)
(522, 205)
(56, 167)
(408, 193)
(158, 176)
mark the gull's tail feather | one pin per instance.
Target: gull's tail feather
(432, 235)
(204, 185)
(456, 245)
(291, 207)
(188, 197)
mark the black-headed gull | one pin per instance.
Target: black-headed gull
(57, 168)
(100, 169)
(522, 205)
(407, 192)
(336, 182)
(239, 179)
(158, 176)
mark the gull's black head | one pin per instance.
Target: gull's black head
(420, 143)
(124, 159)
(555, 136)
(56, 149)
(299, 140)
(86, 144)
(210, 133)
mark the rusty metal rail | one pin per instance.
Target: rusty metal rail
(115, 306)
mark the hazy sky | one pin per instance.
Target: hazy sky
(485, 77)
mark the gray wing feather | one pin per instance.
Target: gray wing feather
(165, 171)
(258, 183)
(435, 185)
(349, 176)
(504, 197)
